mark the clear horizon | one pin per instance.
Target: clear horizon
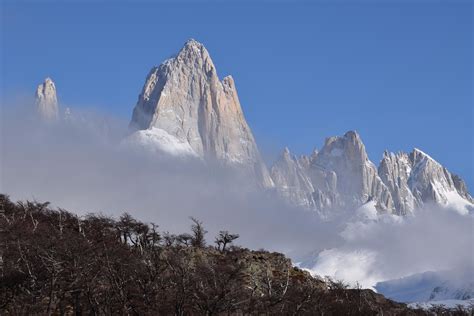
(398, 73)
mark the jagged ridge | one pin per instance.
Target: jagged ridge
(342, 176)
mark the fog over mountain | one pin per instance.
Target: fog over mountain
(190, 152)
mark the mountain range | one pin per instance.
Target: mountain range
(184, 110)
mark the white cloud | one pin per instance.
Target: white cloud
(393, 247)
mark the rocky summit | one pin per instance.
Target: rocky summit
(185, 109)
(341, 176)
(416, 179)
(46, 100)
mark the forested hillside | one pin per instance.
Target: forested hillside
(54, 263)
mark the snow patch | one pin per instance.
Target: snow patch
(423, 154)
(158, 140)
(457, 202)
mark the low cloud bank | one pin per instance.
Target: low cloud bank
(82, 166)
(392, 247)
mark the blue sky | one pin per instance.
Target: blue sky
(400, 73)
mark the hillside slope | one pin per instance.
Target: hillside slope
(53, 262)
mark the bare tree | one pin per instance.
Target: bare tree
(184, 239)
(199, 232)
(223, 239)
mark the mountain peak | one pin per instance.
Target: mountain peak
(348, 137)
(192, 55)
(46, 100)
(48, 84)
(348, 147)
(343, 164)
(192, 43)
(195, 48)
(354, 138)
(286, 154)
(49, 81)
(417, 154)
(352, 135)
(185, 100)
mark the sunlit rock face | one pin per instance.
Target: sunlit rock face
(46, 101)
(184, 102)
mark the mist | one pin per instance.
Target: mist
(80, 164)
(391, 247)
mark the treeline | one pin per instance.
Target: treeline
(54, 263)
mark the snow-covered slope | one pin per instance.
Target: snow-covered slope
(184, 102)
(156, 140)
(430, 286)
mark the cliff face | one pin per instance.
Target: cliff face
(394, 170)
(357, 181)
(292, 181)
(184, 102)
(416, 179)
(338, 176)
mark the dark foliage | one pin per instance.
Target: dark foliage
(54, 263)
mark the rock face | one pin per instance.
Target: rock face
(357, 181)
(338, 176)
(46, 100)
(395, 170)
(184, 102)
(341, 176)
(417, 179)
(291, 179)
